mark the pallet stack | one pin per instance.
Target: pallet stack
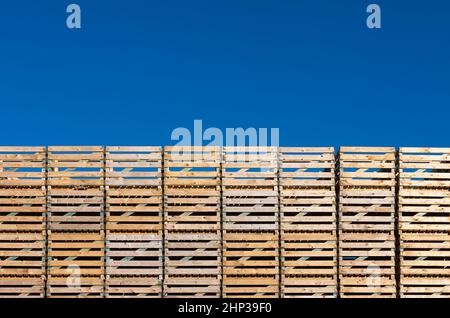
(367, 222)
(424, 222)
(308, 222)
(75, 205)
(134, 261)
(192, 222)
(250, 210)
(22, 221)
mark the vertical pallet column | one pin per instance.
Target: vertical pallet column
(75, 202)
(250, 217)
(367, 222)
(192, 222)
(134, 222)
(22, 222)
(308, 222)
(424, 222)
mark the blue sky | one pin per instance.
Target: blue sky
(138, 69)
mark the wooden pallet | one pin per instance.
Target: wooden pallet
(192, 286)
(307, 189)
(22, 189)
(424, 167)
(422, 209)
(22, 286)
(424, 286)
(367, 264)
(22, 166)
(366, 209)
(192, 253)
(22, 209)
(75, 209)
(308, 264)
(133, 254)
(250, 286)
(22, 254)
(371, 286)
(133, 166)
(133, 188)
(133, 287)
(309, 253)
(75, 188)
(300, 286)
(308, 209)
(134, 209)
(362, 253)
(250, 253)
(424, 253)
(192, 188)
(367, 188)
(371, 167)
(76, 166)
(307, 167)
(76, 253)
(250, 188)
(75, 287)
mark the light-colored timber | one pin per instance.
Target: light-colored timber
(192, 188)
(197, 286)
(75, 287)
(127, 221)
(309, 253)
(22, 189)
(367, 189)
(309, 286)
(22, 254)
(133, 287)
(76, 253)
(424, 222)
(250, 189)
(250, 286)
(133, 189)
(192, 221)
(22, 287)
(367, 246)
(308, 215)
(134, 254)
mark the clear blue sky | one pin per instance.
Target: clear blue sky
(138, 69)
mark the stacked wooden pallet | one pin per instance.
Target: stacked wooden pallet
(75, 204)
(22, 221)
(424, 222)
(133, 222)
(250, 210)
(192, 222)
(308, 222)
(367, 222)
